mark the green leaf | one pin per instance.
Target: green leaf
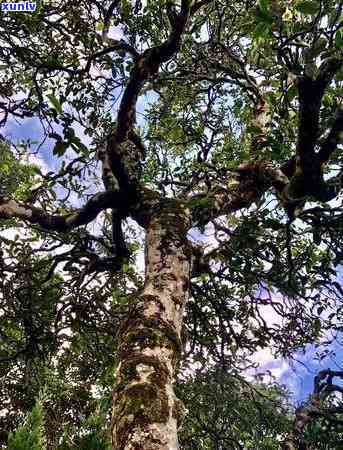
(30, 435)
(307, 7)
(261, 30)
(319, 46)
(78, 145)
(253, 129)
(200, 202)
(328, 100)
(69, 133)
(55, 103)
(264, 5)
(292, 93)
(60, 148)
(36, 170)
(339, 38)
(339, 75)
(274, 224)
(317, 326)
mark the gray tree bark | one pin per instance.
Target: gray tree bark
(146, 411)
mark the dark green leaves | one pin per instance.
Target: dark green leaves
(70, 139)
(339, 38)
(16, 176)
(60, 148)
(307, 7)
(55, 103)
(74, 140)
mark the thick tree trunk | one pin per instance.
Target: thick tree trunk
(289, 443)
(146, 411)
(294, 439)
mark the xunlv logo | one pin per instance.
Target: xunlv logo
(20, 6)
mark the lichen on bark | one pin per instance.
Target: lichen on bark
(146, 411)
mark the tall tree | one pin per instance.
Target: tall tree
(241, 128)
(227, 412)
(319, 419)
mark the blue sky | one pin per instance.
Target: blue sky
(301, 372)
(31, 128)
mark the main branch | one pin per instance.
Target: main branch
(12, 209)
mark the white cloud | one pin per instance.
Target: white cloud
(38, 161)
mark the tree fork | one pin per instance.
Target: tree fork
(146, 411)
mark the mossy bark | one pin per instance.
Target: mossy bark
(145, 414)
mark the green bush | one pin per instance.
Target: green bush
(30, 435)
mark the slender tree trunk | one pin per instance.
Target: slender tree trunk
(289, 443)
(294, 439)
(146, 410)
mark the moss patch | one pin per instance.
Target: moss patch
(128, 372)
(149, 337)
(138, 406)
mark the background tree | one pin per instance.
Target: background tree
(318, 421)
(239, 137)
(227, 412)
(31, 434)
